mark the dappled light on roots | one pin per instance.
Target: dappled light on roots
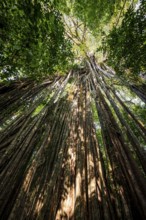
(69, 153)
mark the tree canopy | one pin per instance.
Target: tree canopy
(32, 41)
(126, 44)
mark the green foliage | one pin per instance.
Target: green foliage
(93, 13)
(97, 18)
(32, 41)
(38, 110)
(126, 45)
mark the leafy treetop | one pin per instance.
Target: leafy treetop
(32, 41)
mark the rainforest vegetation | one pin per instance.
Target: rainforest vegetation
(73, 109)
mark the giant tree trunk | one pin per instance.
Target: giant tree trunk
(59, 161)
